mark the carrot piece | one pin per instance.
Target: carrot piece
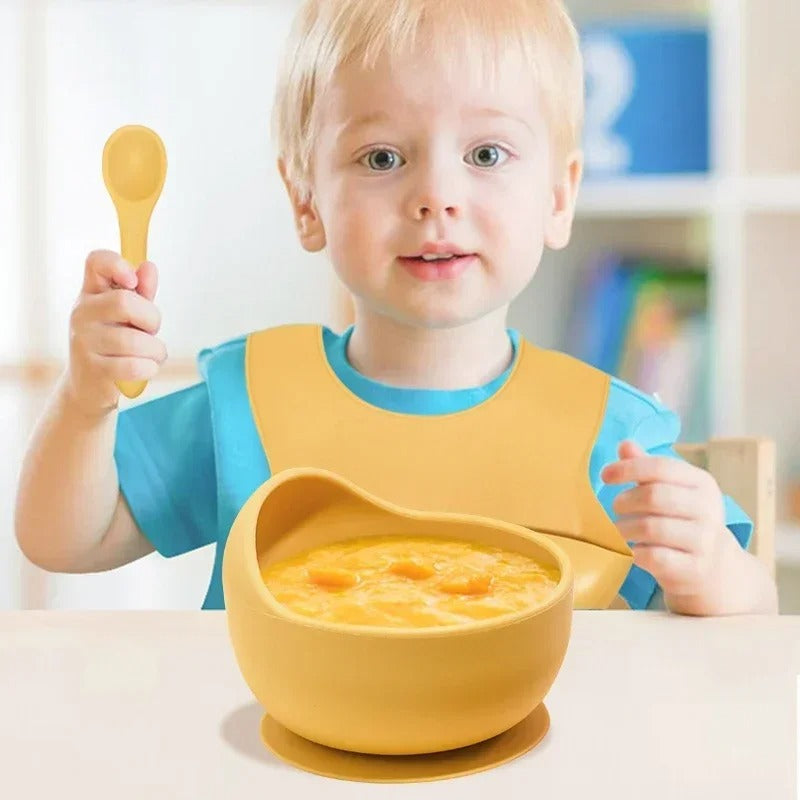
(332, 577)
(466, 584)
(408, 568)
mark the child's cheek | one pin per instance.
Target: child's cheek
(356, 245)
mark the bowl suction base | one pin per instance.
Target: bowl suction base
(343, 765)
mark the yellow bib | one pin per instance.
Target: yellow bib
(521, 456)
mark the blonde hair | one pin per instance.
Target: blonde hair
(327, 34)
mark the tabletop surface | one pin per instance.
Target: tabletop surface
(125, 704)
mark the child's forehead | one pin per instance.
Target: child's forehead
(420, 82)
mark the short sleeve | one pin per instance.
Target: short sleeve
(164, 454)
(631, 415)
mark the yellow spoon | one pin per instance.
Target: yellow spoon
(134, 169)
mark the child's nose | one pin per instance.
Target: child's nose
(433, 209)
(435, 196)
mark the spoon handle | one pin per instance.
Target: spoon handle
(133, 227)
(133, 236)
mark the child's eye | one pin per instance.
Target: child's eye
(382, 160)
(486, 155)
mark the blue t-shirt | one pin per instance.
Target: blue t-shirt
(184, 494)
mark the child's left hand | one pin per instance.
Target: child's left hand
(674, 519)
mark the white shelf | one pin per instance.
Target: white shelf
(771, 193)
(657, 196)
(688, 196)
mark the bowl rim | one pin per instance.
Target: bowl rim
(271, 606)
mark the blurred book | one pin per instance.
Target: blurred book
(646, 322)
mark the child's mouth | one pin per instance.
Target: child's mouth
(439, 269)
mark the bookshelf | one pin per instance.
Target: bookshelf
(742, 220)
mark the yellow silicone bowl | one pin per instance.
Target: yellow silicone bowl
(388, 691)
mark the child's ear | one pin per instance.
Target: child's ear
(310, 229)
(558, 225)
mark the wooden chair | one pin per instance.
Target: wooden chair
(744, 468)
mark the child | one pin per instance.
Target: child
(431, 146)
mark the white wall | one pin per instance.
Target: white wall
(200, 73)
(11, 91)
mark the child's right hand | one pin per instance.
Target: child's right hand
(112, 330)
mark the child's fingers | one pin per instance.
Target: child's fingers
(630, 449)
(147, 276)
(669, 499)
(105, 269)
(126, 368)
(647, 469)
(121, 307)
(674, 570)
(122, 340)
(676, 534)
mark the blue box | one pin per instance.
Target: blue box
(647, 107)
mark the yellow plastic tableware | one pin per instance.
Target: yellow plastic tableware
(331, 763)
(134, 170)
(380, 690)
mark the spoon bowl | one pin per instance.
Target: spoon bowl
(134, 164)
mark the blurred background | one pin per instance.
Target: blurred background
(682, 276)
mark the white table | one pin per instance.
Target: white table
(119, 705)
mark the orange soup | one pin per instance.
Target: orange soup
(409, 582)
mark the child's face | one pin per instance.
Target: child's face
(404, 160)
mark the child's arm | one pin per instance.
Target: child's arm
(70, 516)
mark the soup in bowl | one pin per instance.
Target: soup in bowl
(409, 582)
(368, 627)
